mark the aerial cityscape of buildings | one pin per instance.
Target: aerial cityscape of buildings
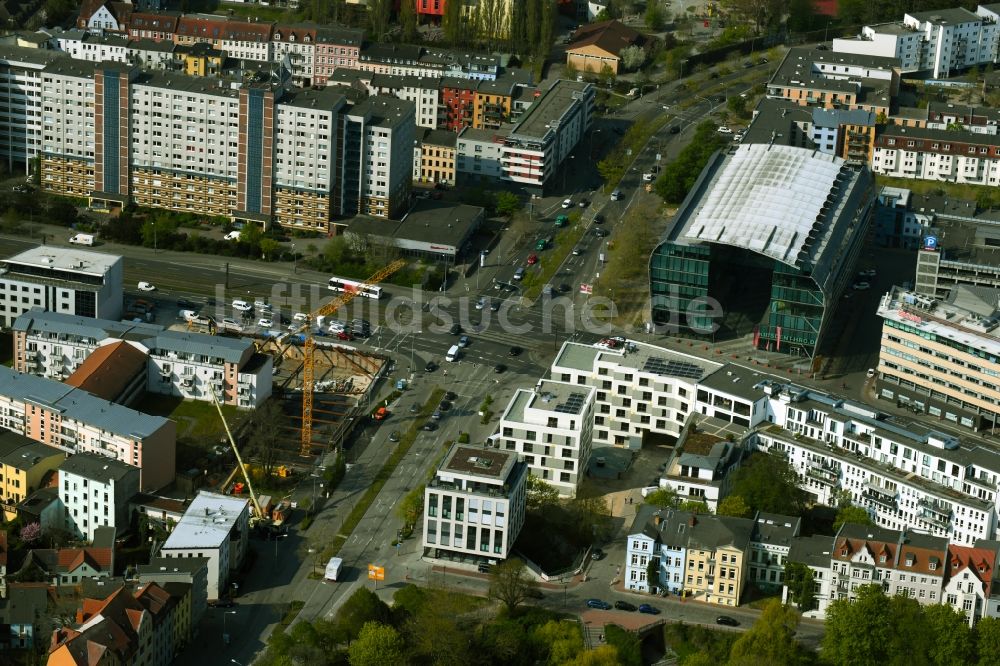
(848, 232)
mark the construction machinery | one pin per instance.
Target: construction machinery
(309, 348)
(260, 516)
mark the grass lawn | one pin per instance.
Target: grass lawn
(952, 190)
(195, 418)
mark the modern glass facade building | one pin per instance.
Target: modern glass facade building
(767, 239)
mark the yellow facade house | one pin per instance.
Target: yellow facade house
(23, 465)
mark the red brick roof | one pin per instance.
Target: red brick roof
(193, 26)
(981, 563)
(109, 370)
(153, 22)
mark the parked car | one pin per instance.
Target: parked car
(187, 315)
(455, 329)
(649, 610)
(146, 286)
(344, 335)
(394, 436)
(264, 322)
(499, 368)
(597, 554)
(481, 303)
(514, 351)
(625, 606)
(722, 129)
(861, 286)
(430, 367)
(463, 341)
(870, 373)
(430, 426)
(727, 621)
(222, 603)
(242, 306)
(532, 260)
(494, 306)
(567, 203)
(436, 415)
(599, 604)
(450, 395)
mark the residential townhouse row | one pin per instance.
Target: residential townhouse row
(192, 366)
(707, 557)
(926, 568)
(846, 104)
(74, 421)
(312, 51)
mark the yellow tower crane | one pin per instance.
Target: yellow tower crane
(309, 348)
(258, 511)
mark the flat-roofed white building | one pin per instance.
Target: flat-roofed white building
(215, 527)
(65, 280)
(551, 427)
(474, 506)
(641, 390)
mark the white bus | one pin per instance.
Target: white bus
(343, 284)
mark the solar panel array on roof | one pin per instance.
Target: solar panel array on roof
(661, 366)
(573, 404)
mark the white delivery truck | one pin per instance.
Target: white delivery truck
(452, 354)
(333, 568)
(82, 239)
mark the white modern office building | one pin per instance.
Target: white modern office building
(64, 280)
(95, 492)
(474, 506)
(215, 527)
(551, 427)
(641, 390)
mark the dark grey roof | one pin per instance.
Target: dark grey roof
(435, 137)
(24, 605)
(707, 533)
(383, 111)
(773, 528)
(813, 551)
(172, 565)
(949, 16)
(643, 521)
(22, 453)
(942, 135)
(97, 468)
(229, 349)
(736, 380)
(56, 323)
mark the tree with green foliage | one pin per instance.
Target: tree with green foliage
(411, 507)
(801, 583)
(626, 644)
(768, 483)
(665, 498)
(362, 607)
(507, 203)
(510, 583)
(377, 644)
(680, 174)
(771, 640)
(952, 641)
(602, 655)
(653, 572)
(802, 16)
(987, 640)
(632, 57)
(735, 506)
(379, 14)
(436, 632)
(859, 632)
(539, 494)
(848, 513)
(454, 26)
(559, 641)
(408, 21)
(694, 506)
(655, 16)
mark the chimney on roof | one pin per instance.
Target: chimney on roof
(693, 520)
(656, 519)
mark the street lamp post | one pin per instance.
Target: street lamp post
(295, 260)
(276, 537)
(225, 635)
(413, 337)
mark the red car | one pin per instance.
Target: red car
(532, 259)
(344, 335)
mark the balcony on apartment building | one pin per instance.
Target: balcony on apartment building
(933, 512)
(824, 473)
(876, 493)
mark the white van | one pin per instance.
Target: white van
(82, 239)
(452, 354)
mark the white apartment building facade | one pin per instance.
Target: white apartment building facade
(82, 45)
(479, 154)
(215, 527)
(940, 41)
(640, 390)
(95, 492)
(937, 154)
(75, 421)
(474, 506)
(64, 280)
(184, 364)
(551, 426)
(378, 156)
(424, 92)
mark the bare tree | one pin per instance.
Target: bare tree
(265, 431)
(511, 584)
